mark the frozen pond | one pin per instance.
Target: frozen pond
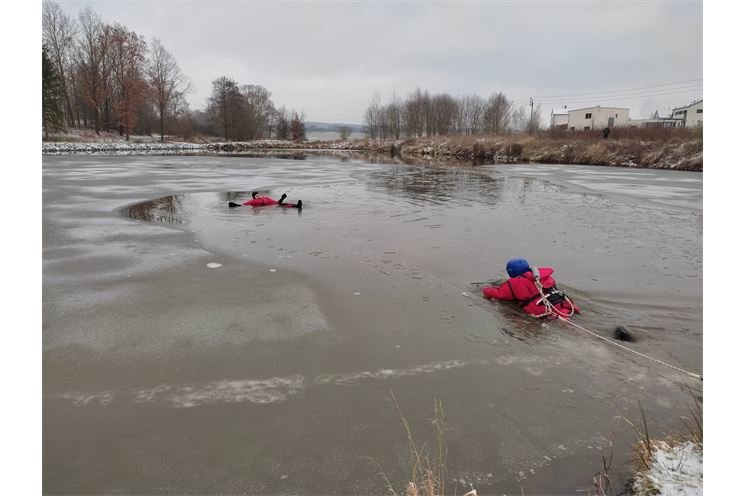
(194, 348)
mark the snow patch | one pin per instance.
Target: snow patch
(676, 471)
(352, 378)
(103, 398)
(264, 391)
(51, 148)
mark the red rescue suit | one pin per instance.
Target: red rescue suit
(261, 201)
(523, 290)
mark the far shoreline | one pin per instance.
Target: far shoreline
(673, 151)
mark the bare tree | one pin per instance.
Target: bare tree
(520, 120)
(297, 126)
(497, 114)
(344, 132)
(167, 82)
(427, 113)
(91, 53)
(128, 61)
(259, 109)
(108, 109)
(472, 114)
(414, 113)
(373, 117)
(394, 116)
(181, 120)
(422, 114)
(223, 103)
(444, 113)
(282, 124)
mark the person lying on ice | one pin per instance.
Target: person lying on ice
(533, 289)
(262, 201)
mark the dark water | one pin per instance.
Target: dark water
(271, 373)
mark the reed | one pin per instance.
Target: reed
(427, 468)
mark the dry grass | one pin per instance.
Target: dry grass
(427, 468)
(672, 148)
(601, 482)
(675, 148)
(695, 423)
(630, 147)
(72, 135)
(626, 133)
(645, 446)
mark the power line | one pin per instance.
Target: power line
(620, 97)
(631, 96)
(697, 86)
(609, 92)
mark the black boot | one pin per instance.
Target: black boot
(623, 334)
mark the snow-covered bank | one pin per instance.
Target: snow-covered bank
(127, 147)
(675, 470)
(684, 152)
(122, 147)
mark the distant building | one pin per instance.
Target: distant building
(691, 115)
(590, 118)
(657, 120)
(598, 118)
(559, 118)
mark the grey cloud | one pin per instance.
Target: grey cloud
(327, 58)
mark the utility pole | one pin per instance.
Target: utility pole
(530, 122)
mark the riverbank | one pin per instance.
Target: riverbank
(682, 153)
(672, 468)
(654, 149)
(673, 465)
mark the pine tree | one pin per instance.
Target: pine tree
(51, 95)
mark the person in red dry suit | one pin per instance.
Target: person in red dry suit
(260, 201)
(522, 287)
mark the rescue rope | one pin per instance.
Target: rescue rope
(692, 374)
(550, 308)
(564, 317)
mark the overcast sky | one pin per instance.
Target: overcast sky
(328, 58)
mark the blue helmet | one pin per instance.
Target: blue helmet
(517, 266)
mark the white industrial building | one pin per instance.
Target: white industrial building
(559, 118)
(657, 120)
(691, 115)
(589, 118)
(599, 118)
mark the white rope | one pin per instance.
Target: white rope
(692, 374)
(552, 310)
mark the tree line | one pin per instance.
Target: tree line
(422, 114)
(246, 112)
(105, 77)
